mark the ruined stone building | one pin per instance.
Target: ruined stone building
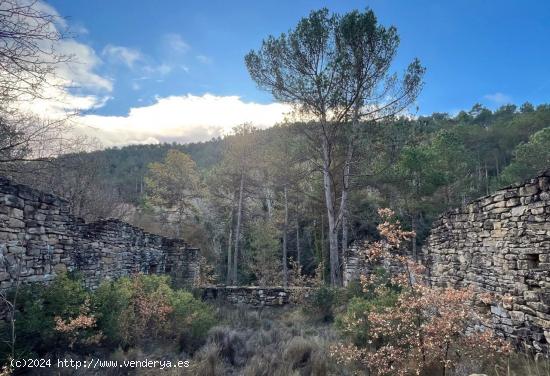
(501, 243)
(498, 243)
(39, 238)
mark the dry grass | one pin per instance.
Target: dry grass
(266, 342)
(522, 365)
(279, 342)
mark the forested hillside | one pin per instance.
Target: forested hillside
(418, 166)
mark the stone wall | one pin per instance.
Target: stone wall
(252, 296)
(39, 239)
(353, 264)
(501, 243)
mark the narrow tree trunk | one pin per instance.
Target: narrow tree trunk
(346, 179)
(238, 230)
(324, 254)
(332, 225)
(479, 179)
(486, 180)
(414, 225)
(344, 200)
(344, 233)
(268, 202)
(229, 244)
(298, 250)
(285, 245)
(229, 270)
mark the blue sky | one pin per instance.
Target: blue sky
(492, 52)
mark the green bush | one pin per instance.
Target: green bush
(191, 320)
(127, 312)
(38, 306)
(354, 290)
(322, 302)
(357, 311)
(110, 300)
(133, 310)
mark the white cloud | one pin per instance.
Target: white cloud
(184, 118)
(80, 71)
(204, 59)
(176, 43)
(121, 54)
(161, 69)
(75, 84)
(498, 98)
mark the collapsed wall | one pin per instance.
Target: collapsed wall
(39, 239)
(252, 296)
(501, 243)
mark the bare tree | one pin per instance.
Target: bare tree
(9, 298)
(78, 178)
(29, 31)
(29, 138)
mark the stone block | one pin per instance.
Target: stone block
(16, 223)
(12, 201)
(528, 190)
(518, 211)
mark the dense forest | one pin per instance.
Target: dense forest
(419, 166)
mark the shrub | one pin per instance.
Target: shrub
(190, 319)
(354, 290)
(110, 300)
(421, 330)
(354, 322)
(53, 316)
(321, 303)
(357, 313)
(127, 312)
(133, 310)
(378, 295)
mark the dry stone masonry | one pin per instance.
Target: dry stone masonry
(39, 239)
(353, 264)
(501, 243)
(253, 296)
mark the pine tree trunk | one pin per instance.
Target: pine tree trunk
(298, 250)
(346, 179)
(486, 180)
(268, 202)
(238, 230)
(229, 243)
(345, 192)
(228, 278)
(324, 254)
(414, 225)
(332, 225)
(285, 245)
